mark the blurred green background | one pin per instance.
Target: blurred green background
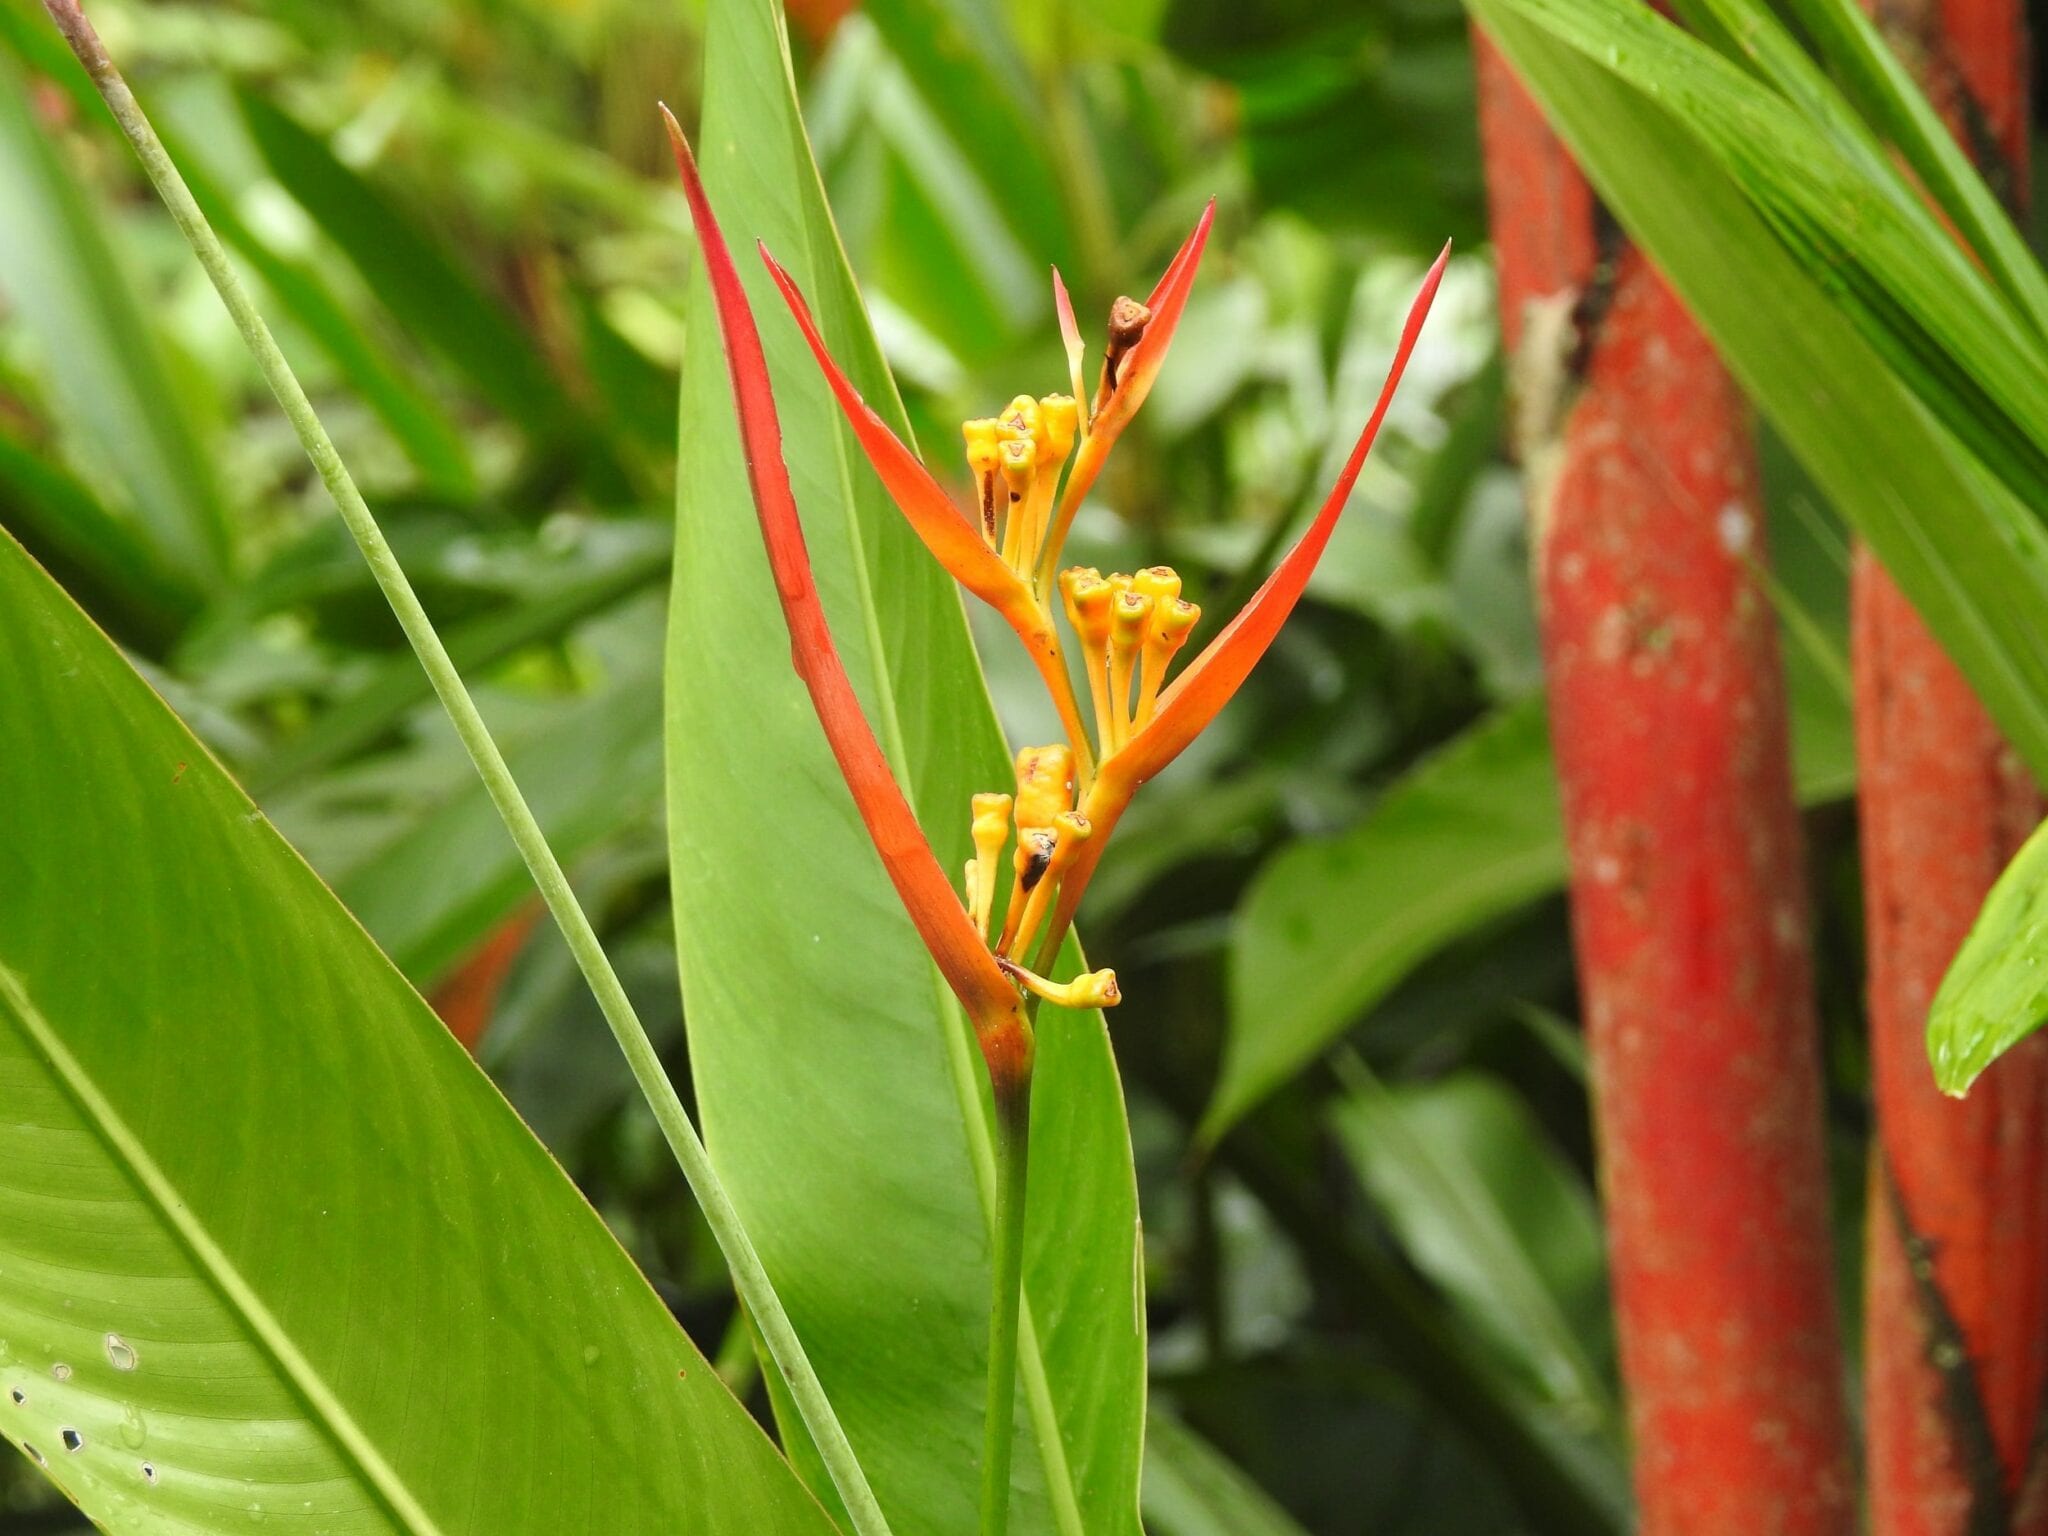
(1379, 1297)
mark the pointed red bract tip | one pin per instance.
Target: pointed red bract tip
(991, 1001)
(1194, 699)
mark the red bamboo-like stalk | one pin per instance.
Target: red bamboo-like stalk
(1956, 1329)
(1688, 909)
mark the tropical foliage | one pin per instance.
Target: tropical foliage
(1311, 1240)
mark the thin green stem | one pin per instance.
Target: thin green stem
(750, 1279)
(1013, 1165)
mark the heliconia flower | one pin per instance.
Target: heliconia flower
(1129, 627)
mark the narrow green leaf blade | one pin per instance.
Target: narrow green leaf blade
(104, 358)
(274, 1253)
(1891, 268)
(969, 68)
(428, 438)
(842, 1099)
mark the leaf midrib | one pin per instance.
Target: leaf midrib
(128, 1153)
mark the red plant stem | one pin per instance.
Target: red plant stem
(1688, 909)
(1956, 1270)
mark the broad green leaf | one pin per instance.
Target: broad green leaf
(125, 418)
(431, 295)
(1488, 1210)
(273, 1254)
(1329, 928)
(1970, 557)
(1193, 1489)
(843, 1101)
(1996, 991)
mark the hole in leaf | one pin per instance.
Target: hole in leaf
(149, 1473)
(34, 1455)
(120, 1353)
(19, 1396)
(72, 1438)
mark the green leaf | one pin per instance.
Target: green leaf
(275, 1253)
(206, 153)
(943, 245)
(1874, 76)
(431, 295)
(1329, 928)
(1193, 1489)
(110, 379)
(1972, 558)
(843, 1101)
(1996, 991)
(1489, 1211)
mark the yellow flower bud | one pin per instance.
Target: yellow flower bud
(1129, 617)
(1045, 785)
(1171, 621)
(991, 829)
(1157, 582)
(1019, 421)
(1059, 422)
(1087, 598)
